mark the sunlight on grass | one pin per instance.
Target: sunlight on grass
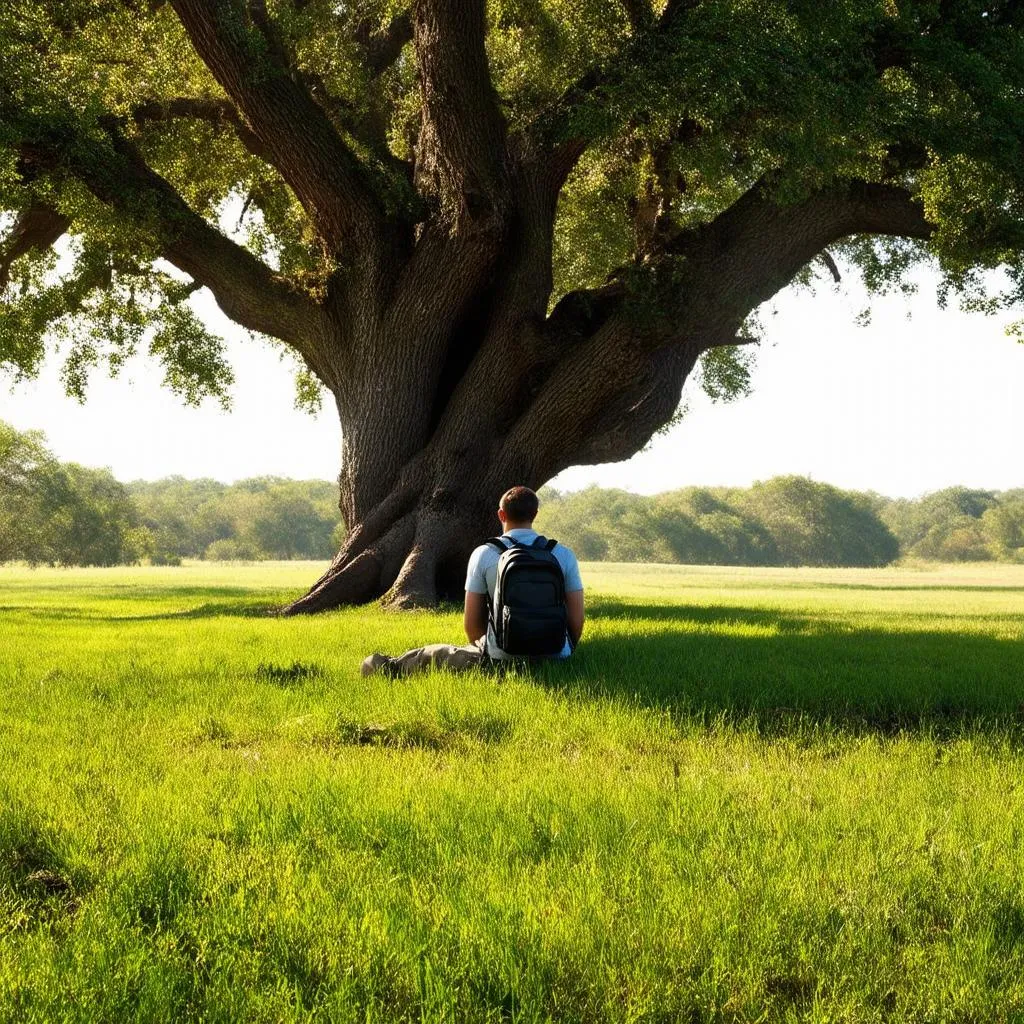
(753, 795)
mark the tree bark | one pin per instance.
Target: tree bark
(410, 542)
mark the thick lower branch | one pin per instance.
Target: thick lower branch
(245, 288)
(756, 247)
(298, 137)
(602, 403)
(461, 152)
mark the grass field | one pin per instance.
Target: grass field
(753, 795)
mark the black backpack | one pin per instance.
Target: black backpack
(528, 611)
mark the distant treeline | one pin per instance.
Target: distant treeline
(788, 520)
(60, 513)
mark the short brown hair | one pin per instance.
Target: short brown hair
(520, 504)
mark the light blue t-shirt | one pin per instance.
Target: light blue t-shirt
(482, 574)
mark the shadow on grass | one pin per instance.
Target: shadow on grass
(207, 610)
(785, 673)
(779, 671)
(36, 884)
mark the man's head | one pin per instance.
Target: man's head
(518, 508)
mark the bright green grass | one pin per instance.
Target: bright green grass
(752, 795)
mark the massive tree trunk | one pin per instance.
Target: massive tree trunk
(412, 530)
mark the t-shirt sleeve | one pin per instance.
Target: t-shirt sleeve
(476, 581)
(571, 572)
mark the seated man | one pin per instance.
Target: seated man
(552, 568)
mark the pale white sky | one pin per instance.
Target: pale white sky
(902, 406)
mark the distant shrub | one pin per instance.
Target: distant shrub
(1004, 528)
(784, 521)
(62, 513)
(961, 539)
(164, 558)
(816, 524)
(231, 550)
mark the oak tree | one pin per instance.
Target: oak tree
(500, 234)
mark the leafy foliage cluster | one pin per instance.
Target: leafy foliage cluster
(255, 519)
(960, 525)
(62, 513)
(679, 108)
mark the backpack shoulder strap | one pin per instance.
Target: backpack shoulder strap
(495, 543)
(544, 544)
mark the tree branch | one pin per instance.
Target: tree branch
(601, 401)
(826, 257)
(384, 47)
(756, 226)
(734, 263)
(248, 291)
(214, 111)
(38, 227)
(326, 176)
(461, 153)
(630, 364)
(757, 246)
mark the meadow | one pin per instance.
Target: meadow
(752, 795)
